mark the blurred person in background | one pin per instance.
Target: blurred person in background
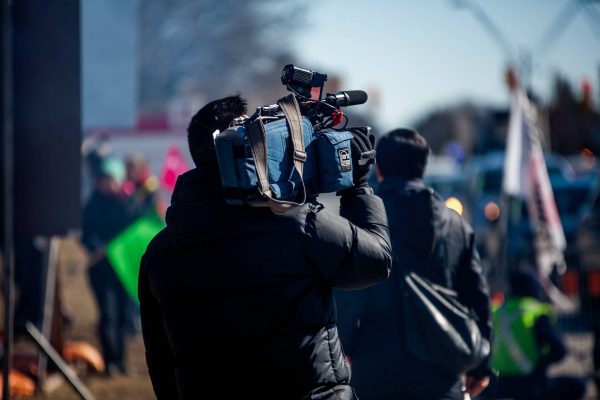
(143, 200)
(105, 215)
(141, 187)
(240, 299)
(527, 343)
(421, 228)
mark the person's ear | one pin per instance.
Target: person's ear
(378, 173)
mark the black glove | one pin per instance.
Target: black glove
(363, 154)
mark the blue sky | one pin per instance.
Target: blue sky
(427, 54)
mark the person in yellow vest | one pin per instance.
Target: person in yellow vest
(526, 343)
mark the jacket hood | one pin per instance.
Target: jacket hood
(413, 205)
(198, 214)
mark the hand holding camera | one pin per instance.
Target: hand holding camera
(363, 154)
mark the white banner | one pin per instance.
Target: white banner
(526, 177)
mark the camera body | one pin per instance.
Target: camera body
(305, 82)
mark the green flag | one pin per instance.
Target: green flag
(126, 250)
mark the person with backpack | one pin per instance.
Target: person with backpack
(435, 242)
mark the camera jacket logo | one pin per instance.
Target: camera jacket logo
(345, 162)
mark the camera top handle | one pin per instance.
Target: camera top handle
(307, 86)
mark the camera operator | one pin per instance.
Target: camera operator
(240, 299)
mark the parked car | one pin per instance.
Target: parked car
(485, 175)
(447, 178)
(484, 180)
(572, 198)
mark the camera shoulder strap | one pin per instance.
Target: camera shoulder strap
(257, 137)
(291, 109)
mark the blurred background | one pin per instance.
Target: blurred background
(103, 91)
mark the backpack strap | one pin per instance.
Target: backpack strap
(257, 138)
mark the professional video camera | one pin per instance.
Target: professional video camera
(271, 157)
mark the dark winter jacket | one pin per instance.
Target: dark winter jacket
(371, 320)
(241, 300)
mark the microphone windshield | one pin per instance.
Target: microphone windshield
(356, 97)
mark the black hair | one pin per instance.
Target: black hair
(525, 283)
(216, 115)
(403, 153)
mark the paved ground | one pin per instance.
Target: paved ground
(579, 360)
